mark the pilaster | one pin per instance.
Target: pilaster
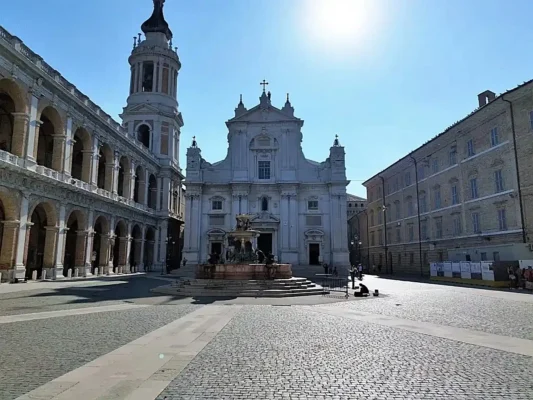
(69, 143)
(20, 129)
(34, 124)
(23, 232)
(58, 155)
(94, 161)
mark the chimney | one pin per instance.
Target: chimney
(485, 98)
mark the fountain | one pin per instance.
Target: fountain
(243, 259)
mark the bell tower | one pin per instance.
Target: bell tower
(152, 115)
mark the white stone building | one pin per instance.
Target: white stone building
(299, 205)
(79, 191)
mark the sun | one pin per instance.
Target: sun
(338, 23)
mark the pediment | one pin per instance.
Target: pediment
(314, 232)
(143, 109)
(264, 217)
(264, 114)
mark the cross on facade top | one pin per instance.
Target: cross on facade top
(264, 83)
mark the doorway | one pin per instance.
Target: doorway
(314, 253)
(216, 248)
(264, 243)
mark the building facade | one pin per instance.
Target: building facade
(355, 204)
(299, 205)
(80, 193)
(464, 195)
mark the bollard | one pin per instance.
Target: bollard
(376, 293)
(69, 273)
(96, 271)
(0, 277)
(34, 276)
(43, 275)
(76, 273)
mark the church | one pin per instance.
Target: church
(298, 205)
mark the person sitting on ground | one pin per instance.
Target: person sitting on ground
(362, 291)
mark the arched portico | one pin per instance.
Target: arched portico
(13, 118)
(135, 257)
(42, 240)
(81, 156)
(75, 244)
(9, 228)
(105, 168)
(100, 250)
(120, 247)
(49, 148)
(149, 248)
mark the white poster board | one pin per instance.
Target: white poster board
(475, 270)
(447, 266)
(456, 269)
(487, 273)
(525, 264)
(433, 269)
(465, 270)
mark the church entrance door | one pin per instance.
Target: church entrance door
(264, 243)
(216, 248)
(314, 253)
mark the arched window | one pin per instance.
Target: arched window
(264, 204)
(143, 135)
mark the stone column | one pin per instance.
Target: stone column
(37, 127)
(116, 167)
(163, 245)
(88, 254)
(94, 161)
(23, 233)
(143, 244)
(146, 187)
(155, 254)
(158, 194)
(58, 155)
(81, 249)
(131, 181)
(33, 133)
(103, 262)
(111, 254)
(9, 245)
(110, 177)
(69, 143)
(53, 252)
(20, 128)
(138, 253)
(86, 165)
(123, 243)
(142, 190)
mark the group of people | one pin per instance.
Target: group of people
(518, 278)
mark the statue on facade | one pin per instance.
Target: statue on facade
(243, 222)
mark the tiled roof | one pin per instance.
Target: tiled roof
(352, 197)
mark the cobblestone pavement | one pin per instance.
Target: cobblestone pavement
(286, 353)
(35, 352)
(469, 308)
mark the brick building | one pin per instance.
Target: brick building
(466, 194)
(79, 191)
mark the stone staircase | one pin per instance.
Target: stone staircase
(241, 288)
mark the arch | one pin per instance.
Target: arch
(47, 152)
(100, 243)
(314, 232)
(124, 173)
(120, 245)
(216, 232)
(105, 167)
(81, 155)
(136, 245)
(14, 91)
(13, 118)
(42, 239)
(9, 200)
(139, 186)
(143, 135)
(7, 122)
(152, 192)
(121, 229)
(74, 242)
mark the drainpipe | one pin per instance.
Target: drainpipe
(520, 200)
(418, 217)
(367, 240)
(385, 225)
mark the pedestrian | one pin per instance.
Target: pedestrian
(325, 266)
(360, 269)
(335, 273)
(352, 275)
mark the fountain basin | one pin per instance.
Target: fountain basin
(242, 271)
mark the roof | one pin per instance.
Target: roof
(448, 129)
(353, 197)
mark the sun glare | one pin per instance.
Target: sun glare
(339, 23)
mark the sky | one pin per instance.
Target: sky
(384, 75)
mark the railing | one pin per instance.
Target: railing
(334, 284)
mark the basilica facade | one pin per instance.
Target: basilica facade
(298, 205)
(80, 193)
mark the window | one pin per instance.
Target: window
(411, 258)
(438, 227)
(502, 219)
(410, 207)
(423, 203)
(380, 237)
(264, 204)
(473, 188)
(407, 178)
(453, 156)
(263, 169)
(457, 226)
(424, 230)
(496, 256)
(380, 216)
(396, 184)
(476, 226)
(421, 172)
(216, 205)
(389, 214)
(372, 239)
(371, 218)
(494, 140)
(148, 76)
(397, 210)
(455, 195)
(435, 165)
(436, 198)
(470, 148)
(411, 232)
(498, 181)
(483, 256)
(312, 205)
(440, 256)
(398, 235)
(143, 135)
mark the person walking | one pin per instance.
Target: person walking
(352, 275)
(360, 269)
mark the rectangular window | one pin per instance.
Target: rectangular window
(380, 216)
(423, 203)
(476, 226)
(455, 195)
(398, 236)
(438, 227)
(313, 220)
(494, 140)
(502, 219)
(164, 83)
(473, 188)
(498, 181)
(216, 220)
(411, 258)
(164, 138)
(372, 239)
(396, 184)
(470, 148)
(380, 237)
(435, 165)
(216, 205)
(148, 76)
(371, 219)
(411, 232)
(457, 228)
(410, 208)
(436, 198)
(496, 256)
(398, 210)
(424, 230)
(263, 169)
(421, 172)
(312, 205)
(483, 256)
(407, 178)
(453, 156)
